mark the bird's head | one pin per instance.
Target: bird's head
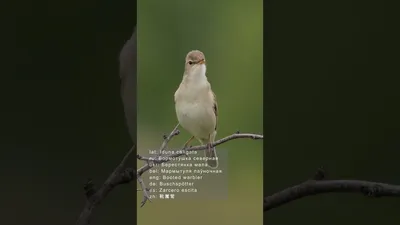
(195, 63)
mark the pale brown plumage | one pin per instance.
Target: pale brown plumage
(196, 104)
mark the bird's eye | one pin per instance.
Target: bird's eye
(190, 62)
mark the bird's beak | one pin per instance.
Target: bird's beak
(202, 61)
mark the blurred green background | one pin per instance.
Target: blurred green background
(230, 35)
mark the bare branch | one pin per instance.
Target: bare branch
(318, 186)
(181, 152)
(121, 176)
(158, 160)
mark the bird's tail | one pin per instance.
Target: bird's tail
(212, 159)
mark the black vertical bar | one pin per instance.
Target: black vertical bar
(128, 75)
(265, 96)
(62, 118)
(128, 90)
(331, 99)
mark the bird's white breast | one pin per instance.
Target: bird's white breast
(194, 106)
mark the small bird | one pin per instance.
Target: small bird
(196, 105)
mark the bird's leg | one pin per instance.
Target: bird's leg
(188, 142)
(186, 145)
(209, 144)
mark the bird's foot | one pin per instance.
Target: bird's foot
(209, 146)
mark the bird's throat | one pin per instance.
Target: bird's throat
(197, 76)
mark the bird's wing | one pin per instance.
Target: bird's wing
(177, 92)
(215, 108)
(175, 95)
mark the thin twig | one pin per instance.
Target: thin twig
(173, 133)
(145, 190)
(150, 163)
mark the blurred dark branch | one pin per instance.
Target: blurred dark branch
(318, 186)
(94, 197)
